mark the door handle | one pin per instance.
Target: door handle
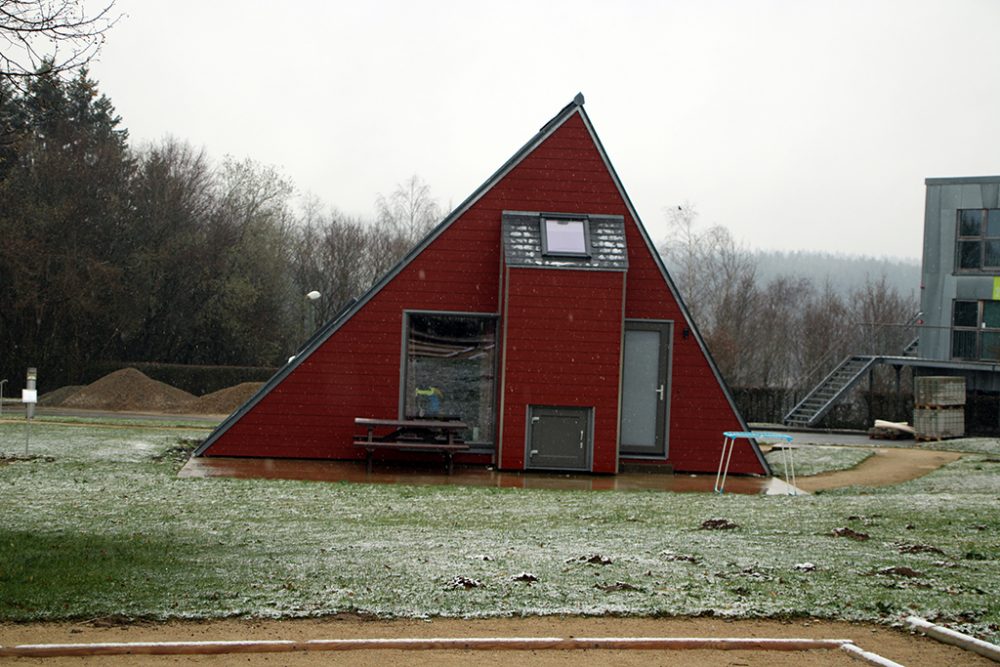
(581, 439)
(660, 392)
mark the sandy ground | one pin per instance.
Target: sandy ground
(904, 648)
(885, 467)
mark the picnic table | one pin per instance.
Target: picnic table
(420, 435)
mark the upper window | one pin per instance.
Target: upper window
(567, 237)
(978, 244)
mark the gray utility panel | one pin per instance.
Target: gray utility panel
(559, 438)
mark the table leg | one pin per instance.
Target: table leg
(728, 444)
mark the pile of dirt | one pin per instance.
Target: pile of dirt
(224, 401)
(58, 396)
(130, 390)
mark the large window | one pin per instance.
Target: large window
(976, 330)
(977, 247)
(451, 369)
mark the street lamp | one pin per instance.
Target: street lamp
(311, 297)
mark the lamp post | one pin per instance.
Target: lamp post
(29, 396)
(2, 383)
(311, 305)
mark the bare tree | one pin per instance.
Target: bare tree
(53, 36)
(410, 210)
(717, 277)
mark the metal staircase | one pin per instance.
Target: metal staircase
(818, 402)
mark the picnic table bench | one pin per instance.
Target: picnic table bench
(420, 435)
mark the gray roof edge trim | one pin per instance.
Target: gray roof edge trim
(672, 287)
(589, 216)
(319, 339)
(962, 180)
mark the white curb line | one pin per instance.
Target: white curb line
(948, 636)
(426, 644)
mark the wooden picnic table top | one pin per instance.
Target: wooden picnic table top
(412, 423)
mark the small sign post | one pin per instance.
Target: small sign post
(29, 396)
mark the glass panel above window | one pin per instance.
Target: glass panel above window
(993, 223)
(966, 314)
(991, 314)
(969, 254)
(970, 222)
(565, 237)
(450, 370)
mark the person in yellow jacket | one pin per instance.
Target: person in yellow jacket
(430, 400)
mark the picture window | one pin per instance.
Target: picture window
(450, 371)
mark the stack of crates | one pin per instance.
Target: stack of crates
(939, 407)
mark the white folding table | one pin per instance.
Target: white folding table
(729, 444)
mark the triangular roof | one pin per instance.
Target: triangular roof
(574, 108)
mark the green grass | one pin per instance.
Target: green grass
(813, 460)
(98, 525)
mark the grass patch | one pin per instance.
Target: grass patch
(813, 459)
(103, 506)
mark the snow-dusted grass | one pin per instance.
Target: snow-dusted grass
(815, 459)
(100, 525)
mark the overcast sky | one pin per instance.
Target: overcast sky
(797, 125)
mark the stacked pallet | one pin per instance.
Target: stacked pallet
(939, 407)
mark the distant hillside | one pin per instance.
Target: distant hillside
(844, 272)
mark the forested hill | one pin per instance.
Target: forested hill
(845, 273)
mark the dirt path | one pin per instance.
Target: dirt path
(893, 644)
(885, 467)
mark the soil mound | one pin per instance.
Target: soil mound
(58, 396)
(130, 390)
(225, 400)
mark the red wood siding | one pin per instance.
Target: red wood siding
(355, 373)
(562, 347)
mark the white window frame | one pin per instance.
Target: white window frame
(562, 219)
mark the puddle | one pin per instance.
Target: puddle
(354, 471)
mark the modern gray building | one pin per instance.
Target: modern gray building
(958, 327)
(960, 279)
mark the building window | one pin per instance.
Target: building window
(451, 369)
(978, 244)
(565, 237)
(975, 330)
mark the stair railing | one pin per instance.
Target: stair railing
(805, 384)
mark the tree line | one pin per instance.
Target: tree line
(159, 253)
(781, 331)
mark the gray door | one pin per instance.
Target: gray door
(558, 438)
(645, 389)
